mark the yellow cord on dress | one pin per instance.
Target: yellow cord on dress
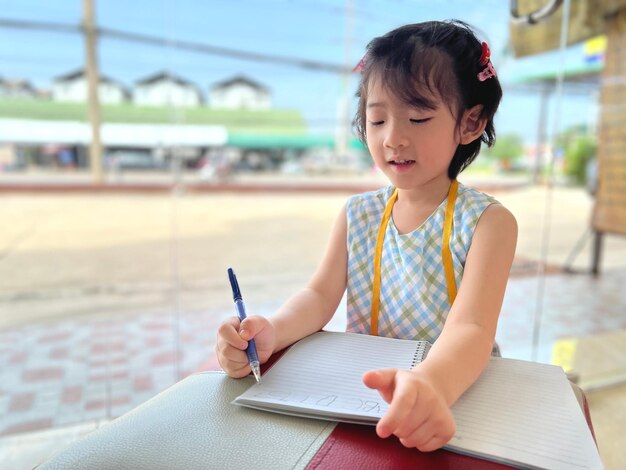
(446, 253)
(378, 254)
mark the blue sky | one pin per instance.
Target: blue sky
(314, 30)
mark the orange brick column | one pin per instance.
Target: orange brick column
(609, 215)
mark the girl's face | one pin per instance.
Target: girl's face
(411, 146)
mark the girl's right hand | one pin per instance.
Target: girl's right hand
(232, 341)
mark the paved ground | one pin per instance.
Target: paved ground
(107, 298)
(67, 255)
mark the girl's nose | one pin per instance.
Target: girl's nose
(395, 137)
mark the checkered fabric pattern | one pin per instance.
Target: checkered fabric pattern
(413, 295)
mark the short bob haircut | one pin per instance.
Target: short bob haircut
(418, 62)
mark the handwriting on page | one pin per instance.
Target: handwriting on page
(345, 402)
(337, 384)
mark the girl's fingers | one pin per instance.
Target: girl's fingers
(228, 332)
(233, 360)
(430, 435)
(251, 327)
(427, 444)
(404, 401)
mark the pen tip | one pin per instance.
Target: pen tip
(257, 372)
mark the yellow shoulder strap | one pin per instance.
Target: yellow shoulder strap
(445, 244)
(446, 253)
(378, 254)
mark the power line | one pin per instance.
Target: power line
(176, 44)
(223, 51)
(40, 25)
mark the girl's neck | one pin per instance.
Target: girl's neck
(427, 195)
(414, 206)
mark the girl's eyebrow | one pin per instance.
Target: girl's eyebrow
(375, 104)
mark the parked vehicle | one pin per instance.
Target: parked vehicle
(133, 160)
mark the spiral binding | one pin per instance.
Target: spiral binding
(421, 351)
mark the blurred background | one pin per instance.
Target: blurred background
(147, 146)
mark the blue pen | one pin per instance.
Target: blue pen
(253, 359)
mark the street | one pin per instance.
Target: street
(73, 255)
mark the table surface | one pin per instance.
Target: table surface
(193, 424)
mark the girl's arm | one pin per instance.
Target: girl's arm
(313, 307)
(305, 313)
(462, 350)
(420, 400)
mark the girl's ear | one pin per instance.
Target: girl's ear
(472, 124)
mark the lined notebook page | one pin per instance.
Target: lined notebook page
(323, 373)
(524, 412)
(517, 412)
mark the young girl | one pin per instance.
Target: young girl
(425, 258)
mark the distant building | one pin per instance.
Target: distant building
(165, 88)
(42, 94)
(72, 87)
(239, 92)
(17, 88)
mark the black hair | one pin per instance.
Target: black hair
(416, 61)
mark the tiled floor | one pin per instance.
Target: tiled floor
(81, 373)
(73, 372)
(571, 305)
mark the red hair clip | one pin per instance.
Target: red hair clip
(486, 54)
(485, 59)
(487, 72)
(359, 67)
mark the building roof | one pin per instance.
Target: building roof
(17, 84)
(165, 75)
(66, 77)
(239, 79)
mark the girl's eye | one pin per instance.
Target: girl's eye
(419, 121)
(376, 123)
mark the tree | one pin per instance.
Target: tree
(507, 149)
(577, 156)
(578, 147)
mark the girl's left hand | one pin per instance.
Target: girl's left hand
(417, 414)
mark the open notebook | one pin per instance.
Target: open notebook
(517, 412)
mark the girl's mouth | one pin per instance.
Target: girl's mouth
(400, 165)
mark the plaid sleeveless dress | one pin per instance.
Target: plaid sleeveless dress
(413, 294)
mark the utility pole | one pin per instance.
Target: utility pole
(93, 100)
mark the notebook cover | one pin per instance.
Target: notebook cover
(356, 446)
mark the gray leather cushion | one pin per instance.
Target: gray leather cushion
(193, 425)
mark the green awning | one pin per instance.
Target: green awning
(287, 141)
(573, 74)
(239, 121)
